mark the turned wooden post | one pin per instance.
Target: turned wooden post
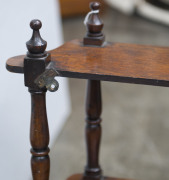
(94, 25)
(94, 37)
(34, 66)
(39, 136)
(93, 130)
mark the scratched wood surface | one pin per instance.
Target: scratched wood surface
(120, 62)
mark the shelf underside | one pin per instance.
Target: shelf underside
(118, 62)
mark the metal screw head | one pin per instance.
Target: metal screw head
(53, 86)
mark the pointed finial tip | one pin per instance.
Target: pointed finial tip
(36, 45)
(35, 24)
(94, 5)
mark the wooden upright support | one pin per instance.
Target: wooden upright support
(93, 130)
(94, 37)
(35, 64)
(98, 61)
(39, 136)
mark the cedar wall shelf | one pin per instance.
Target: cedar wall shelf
(118, 62)
(93, 59)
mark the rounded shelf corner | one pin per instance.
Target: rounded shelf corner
(16, 64)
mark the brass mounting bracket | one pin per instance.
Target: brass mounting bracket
(47, 79)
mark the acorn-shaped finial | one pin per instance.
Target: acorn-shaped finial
(94, 26)
(95, 5)
(94, 23)
(36, 45)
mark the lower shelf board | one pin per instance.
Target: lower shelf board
(79, 177)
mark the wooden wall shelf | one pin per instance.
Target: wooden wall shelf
(118, 62)
(92, 59)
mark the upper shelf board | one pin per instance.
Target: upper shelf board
(120, 62)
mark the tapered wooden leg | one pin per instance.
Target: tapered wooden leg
(93, 130)
(39, 136)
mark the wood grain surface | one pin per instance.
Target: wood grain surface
(15, 64)
(120, 62)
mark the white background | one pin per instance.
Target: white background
(15, 16)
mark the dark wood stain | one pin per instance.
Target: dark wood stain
(94, 26)
(93, 130)
(39, 136)
(35, 64)
(82, 59)
(15, 64)
(117, 62)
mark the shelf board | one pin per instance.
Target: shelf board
(119, 62)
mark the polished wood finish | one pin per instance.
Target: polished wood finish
(37, 64)
(81, 59)
(34, 65)
(93, 130)
(80, 177)
(94, 26)
(15, 64)
(37, 58)
(36, 45)
(118, 62)
(39, 136)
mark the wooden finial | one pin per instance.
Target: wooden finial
(94, 26)
(37, 58)
(36, 45)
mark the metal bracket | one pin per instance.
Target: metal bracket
(47, 79)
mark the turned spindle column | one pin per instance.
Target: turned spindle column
(34, 65)
(39, 136)
(94, 37)
(93, 130)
